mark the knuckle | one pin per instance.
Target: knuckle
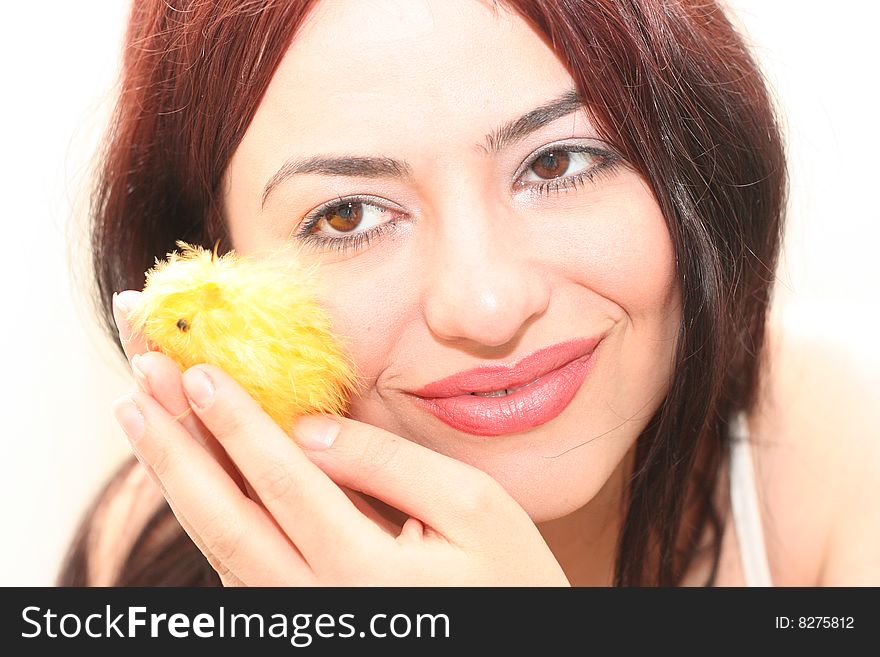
(222, 537)
(277, 483)
(377, 452)
(227, 577)
(161, 462)
(231, 422)
(219, 567)
(480, 495)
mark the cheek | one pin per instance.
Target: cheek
(370, 306)
(630, 265)
(645, 279)
(628, 259)
(618, 262)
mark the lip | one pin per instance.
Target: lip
(547, 379)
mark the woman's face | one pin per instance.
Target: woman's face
(459, 239)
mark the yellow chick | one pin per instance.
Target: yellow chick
(257, 319)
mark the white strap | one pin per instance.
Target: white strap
(745, 507)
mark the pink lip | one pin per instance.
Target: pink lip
(547, 380)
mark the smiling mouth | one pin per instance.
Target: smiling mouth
(512, 410)
(494, 381)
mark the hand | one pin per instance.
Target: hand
(165, 387)
(293, 523)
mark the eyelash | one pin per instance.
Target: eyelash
(343, 244)
(608, 162)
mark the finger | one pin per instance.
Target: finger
(320, 519)
(159, 376)
(449, 496)
(227, 577)
(132, 342)
(387, 518)
(412, 531)
(230, 528)
(164, 385)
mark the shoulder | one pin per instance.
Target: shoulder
(816, 450)
(122, 512)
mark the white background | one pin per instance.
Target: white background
(60, 375)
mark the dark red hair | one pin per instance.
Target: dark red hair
(670, 85)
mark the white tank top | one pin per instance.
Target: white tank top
(744, 506)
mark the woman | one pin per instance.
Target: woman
(580, 199)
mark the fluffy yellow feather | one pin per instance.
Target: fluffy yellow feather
(258, 319)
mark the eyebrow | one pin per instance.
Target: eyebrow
(359, 167)
(518, 129)
(385, 167)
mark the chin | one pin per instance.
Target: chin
(549, 477)
(549, 498)
(552, 479)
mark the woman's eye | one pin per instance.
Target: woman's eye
(347, 225)
(346, 217)
(558, 164)
(566, 167)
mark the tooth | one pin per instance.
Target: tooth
(496, 393)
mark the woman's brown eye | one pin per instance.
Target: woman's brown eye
(345, 217)
(552, 164)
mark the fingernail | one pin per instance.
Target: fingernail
(139, 374)
(316, 431)
(199, 387)
(121, 308)
(129, 417)
(126, 299)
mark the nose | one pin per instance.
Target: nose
(483, 283)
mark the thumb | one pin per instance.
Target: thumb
(449, 496)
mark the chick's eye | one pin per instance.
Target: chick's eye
(183, 325)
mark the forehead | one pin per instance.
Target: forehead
(367, 70)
